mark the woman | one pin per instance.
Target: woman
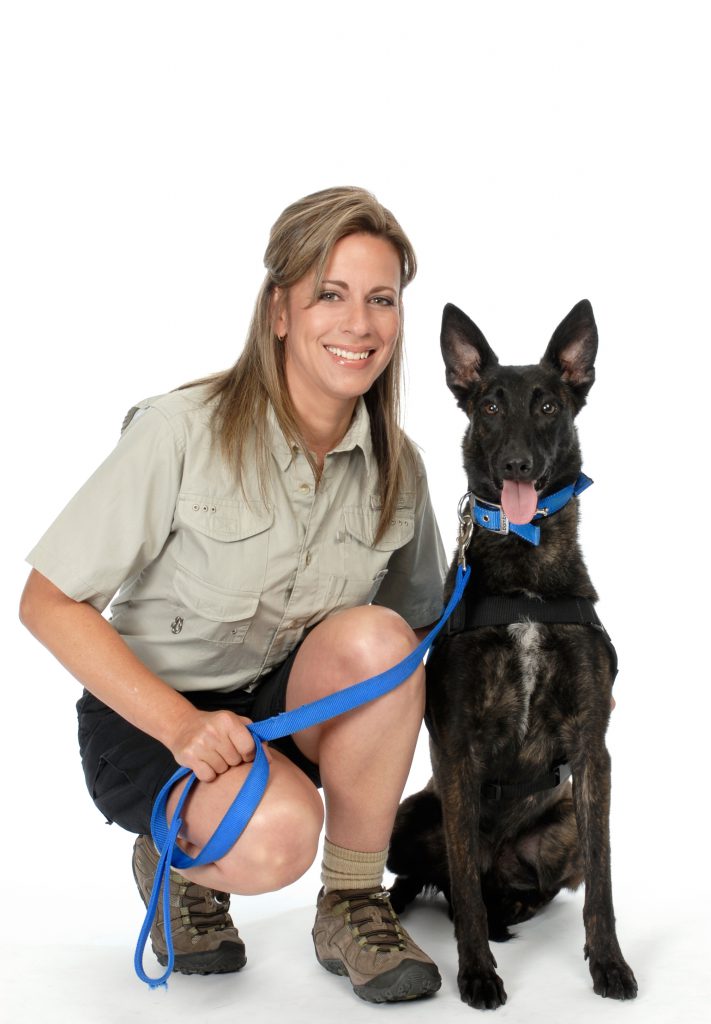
(247, 522)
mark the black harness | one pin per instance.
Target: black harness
(505, 611)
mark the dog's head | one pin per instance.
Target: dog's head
(521, 440)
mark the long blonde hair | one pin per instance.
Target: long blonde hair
(300, 243)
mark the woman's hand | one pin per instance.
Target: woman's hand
(210, 742)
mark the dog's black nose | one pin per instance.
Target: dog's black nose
(517, 468)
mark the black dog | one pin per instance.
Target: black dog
(519, 690)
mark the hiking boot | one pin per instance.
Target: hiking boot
(204, 939)
(357, 933)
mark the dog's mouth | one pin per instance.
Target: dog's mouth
(519, 499)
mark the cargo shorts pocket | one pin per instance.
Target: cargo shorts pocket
(126, 782)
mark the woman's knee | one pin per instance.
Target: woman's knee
(280, 842)
(353, 645)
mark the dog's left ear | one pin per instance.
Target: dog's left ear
(572, 349)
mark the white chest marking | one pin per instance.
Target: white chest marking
(527, 637)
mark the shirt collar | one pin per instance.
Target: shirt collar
(357, 436)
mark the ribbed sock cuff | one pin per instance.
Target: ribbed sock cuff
(350, 869)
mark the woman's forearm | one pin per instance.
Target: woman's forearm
(95, 654)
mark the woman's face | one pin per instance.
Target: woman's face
(337, 345)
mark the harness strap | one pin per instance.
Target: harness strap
(494, 790)
(245, 803)
(494, 610)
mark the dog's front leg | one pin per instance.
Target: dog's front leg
(591, 794)
(479, 984)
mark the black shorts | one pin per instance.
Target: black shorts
(125, 769)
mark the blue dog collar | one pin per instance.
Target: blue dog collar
(492, 517)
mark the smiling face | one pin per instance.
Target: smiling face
(340, 341)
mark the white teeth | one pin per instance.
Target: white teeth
(343, 354)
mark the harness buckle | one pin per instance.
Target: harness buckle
(562, 773)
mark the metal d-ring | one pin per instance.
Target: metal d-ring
(466, 528)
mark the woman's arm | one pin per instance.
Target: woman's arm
(91, 649)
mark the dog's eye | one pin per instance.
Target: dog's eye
(548, 408)
(491, 408)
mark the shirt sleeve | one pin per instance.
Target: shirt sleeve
(415, 578)
(118, 522)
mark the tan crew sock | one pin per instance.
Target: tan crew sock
(350, 869)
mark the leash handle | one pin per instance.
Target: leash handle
(247, 800)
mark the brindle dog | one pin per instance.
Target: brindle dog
(509, 702)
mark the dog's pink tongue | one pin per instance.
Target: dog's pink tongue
(519, 501)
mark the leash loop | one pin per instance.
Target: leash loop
(237, 817)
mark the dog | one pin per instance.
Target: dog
(519, 693)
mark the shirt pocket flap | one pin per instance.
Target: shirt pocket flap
(211, 602)
(224, 520)
(362, 524)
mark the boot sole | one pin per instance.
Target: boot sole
(411, 980)
(218, 961)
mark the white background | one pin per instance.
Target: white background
(536, 153)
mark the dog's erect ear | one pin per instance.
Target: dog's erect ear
(572, 349)
(465, 351)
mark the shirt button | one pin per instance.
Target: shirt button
(304, 488)
(308, 558)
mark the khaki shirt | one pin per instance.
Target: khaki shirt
(215, 584)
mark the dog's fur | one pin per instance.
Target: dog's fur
(506, 702)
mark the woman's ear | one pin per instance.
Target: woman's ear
(278, 311)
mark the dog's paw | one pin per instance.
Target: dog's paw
(613, 978)
(482, 989)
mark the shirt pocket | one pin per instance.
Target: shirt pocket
(206, 612)
(365, 560)
(223, 543)
(221, 552)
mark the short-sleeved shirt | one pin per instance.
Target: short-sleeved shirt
(214, 581)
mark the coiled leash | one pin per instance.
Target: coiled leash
(245, 803)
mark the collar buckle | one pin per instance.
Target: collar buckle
(492, 517)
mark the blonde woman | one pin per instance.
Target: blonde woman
(265, 538)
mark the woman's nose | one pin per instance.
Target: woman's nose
(357, 319)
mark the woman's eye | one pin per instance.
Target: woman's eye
(491, 408)
(383, 300)
(548, 408)
(328, 296)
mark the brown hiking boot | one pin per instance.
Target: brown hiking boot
(357, 933)
(204, 939)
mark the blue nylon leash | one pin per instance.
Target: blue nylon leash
(245, 803)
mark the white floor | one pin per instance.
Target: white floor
(543, 970)
(74, 962)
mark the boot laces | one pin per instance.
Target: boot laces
(206, 909)
(371, 918)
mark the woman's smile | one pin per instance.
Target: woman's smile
(349, 355)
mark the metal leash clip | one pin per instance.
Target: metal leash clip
(466, 528)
